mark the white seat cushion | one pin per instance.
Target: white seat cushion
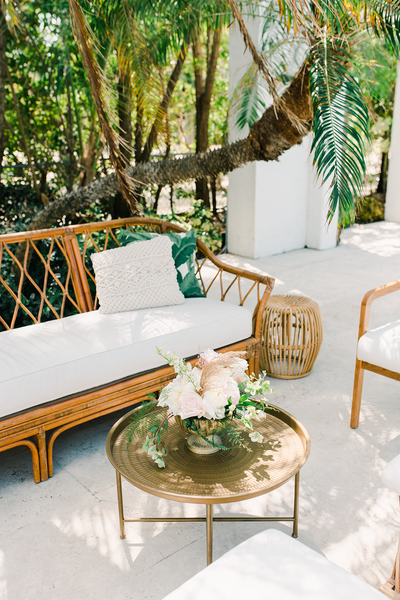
(391, 474)
(47, 361)
(273, 566)
(381, 347)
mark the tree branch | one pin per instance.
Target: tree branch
(269, 137)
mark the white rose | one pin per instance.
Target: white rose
(171, 393)
(214, 403)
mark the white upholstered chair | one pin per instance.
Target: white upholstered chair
(378, 350)
(273, 566)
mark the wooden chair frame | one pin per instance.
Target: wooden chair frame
(30, 427)
(361, 366)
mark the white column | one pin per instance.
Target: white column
(275, 206)
(320, 235)
(392, 207)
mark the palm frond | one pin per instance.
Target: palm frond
(341, 126)
(264, 68)
(284, 53)
(100, 97)
(250, 99)
(384, 18)
(310, 21)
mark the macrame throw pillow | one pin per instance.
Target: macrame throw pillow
(183, 252)
(140, 275)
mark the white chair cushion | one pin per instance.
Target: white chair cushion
(381, 347)
(141, 275)
(47, 361)
(391, 474)
(273, 566)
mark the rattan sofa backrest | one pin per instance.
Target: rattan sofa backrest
(48, 274)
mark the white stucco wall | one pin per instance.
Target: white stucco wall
(281, 203)
(275, 206)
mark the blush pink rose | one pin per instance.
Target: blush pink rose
(209, 355)
(239, 377)
(191, 404)
(231, 390)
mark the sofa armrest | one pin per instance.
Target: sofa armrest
(369, 298)
(262, 284)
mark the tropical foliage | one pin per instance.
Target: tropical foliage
(87, 85)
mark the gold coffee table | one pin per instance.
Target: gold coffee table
(227, 476)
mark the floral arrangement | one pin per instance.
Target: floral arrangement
(216, 388)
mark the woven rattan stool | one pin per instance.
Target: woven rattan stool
(291, 336)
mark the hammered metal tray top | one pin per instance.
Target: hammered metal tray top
(227, 476)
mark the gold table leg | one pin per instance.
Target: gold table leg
(209, 535)
(209, 517)
(120, 506)
(296, 504)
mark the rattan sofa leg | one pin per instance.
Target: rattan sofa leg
(35, 456)
(54, 435)
(41, 443)
(357, 391)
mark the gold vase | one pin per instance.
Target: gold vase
(207, 428)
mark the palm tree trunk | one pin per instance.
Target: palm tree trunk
(204, 91)
(90, 154)
(163, 107)
(120, 207)
(269, 137)
(70, 137)
(125, 116)
(23, 136)
(139, 128)
(3, 76)
(382, 184)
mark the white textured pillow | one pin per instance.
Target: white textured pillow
(140, 275)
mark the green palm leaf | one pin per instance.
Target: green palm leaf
(384, 16)
(341, 125)
(252, 98)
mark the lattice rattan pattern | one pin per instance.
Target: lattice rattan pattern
(226, 476)
(106, 238)
(40, 277)
(292, 335)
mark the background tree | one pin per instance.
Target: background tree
(149, 43)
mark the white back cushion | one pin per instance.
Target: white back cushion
(381, 347)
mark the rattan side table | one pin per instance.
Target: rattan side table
(291, 336)
(227, 476)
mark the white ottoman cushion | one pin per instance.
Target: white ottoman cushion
(381, 347)
(391, 475)
(47, 361)
(273, 566)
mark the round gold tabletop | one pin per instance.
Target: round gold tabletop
(227, 476)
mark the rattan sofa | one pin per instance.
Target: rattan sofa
(62, 364)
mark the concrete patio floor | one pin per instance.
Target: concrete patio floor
(60, 539)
